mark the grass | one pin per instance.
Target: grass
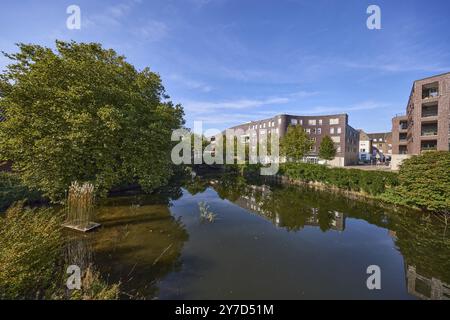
(31, 264)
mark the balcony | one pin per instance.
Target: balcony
(403, 125)
(429, 129)
(428, 146)
(429, 111)
(430, 91)
(403, 150)
(403, 137)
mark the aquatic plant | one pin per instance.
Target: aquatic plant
(205, 213)
(80, 204)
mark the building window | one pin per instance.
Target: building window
(338, 149)
(264, 125)
(320, 122)
(294, 122)
(332, 130)
(336, 139)
(308, 131)
(273, 123)
(312, 122)
(334, 121)
(300, 121)
(319, 130)
(279, 120)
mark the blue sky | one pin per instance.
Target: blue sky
(231, 61)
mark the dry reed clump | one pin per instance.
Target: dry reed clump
(80, 204)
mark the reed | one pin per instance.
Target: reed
(206, 214)
(80, 205)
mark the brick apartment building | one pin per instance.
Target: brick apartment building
(426, 125)
(346, 138)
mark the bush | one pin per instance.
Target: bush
(370, 182)
(424, 182)
(12, 190)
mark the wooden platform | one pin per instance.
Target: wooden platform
(83, 228)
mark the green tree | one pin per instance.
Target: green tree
(295, 144)
(327, 150)
(84, 113)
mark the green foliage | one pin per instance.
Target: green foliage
(327, 150)
(83, 113)
(93, 288)
(424, 182)
(295, 144)
(12, 190)
(31, 247)
(370, 182)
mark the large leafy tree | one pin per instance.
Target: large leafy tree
(295, 144)
(327, 150)
(84, 113)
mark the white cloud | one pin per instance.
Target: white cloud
(362, 106)
(191, 84)
(111, 16)
(152, 31)
(205, 107)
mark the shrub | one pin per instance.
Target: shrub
(424, 182)
(370, 182)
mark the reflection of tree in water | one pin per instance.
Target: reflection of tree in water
(196, 185)
(420, 237)
(139, 243)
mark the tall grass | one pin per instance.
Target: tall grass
(32, 264)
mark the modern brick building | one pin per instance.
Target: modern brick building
(426, 125)
(346, 138)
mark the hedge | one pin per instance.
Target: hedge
(370, 182)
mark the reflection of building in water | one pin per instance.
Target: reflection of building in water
(425, 288)
(255, 203)
(337, 219)
(252, 204)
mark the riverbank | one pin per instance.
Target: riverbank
(423, 182)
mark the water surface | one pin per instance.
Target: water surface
(266, 242)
